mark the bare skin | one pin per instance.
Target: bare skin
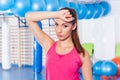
(63, 31)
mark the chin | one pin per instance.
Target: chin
(62, 39)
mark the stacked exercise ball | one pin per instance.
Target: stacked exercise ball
(6, 4)
(97, 68)
(98, 10)
(84, 10)
(21, 7)
(107, 68)
(38, 5)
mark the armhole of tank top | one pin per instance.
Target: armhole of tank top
(80, 59)
(52, 46)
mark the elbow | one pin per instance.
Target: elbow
(27, 16)
(28, 19)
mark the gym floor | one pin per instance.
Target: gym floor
(23, 73)
(26, 73)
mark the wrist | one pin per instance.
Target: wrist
(56, 15)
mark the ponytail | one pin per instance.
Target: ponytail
(76, 42)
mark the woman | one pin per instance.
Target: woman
(66, 56)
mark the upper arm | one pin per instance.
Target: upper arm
(86, 67)
(45, 40)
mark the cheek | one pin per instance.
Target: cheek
(67, 32)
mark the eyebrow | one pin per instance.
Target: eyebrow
(63, 23)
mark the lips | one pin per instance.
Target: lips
(59, 35)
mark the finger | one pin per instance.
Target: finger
(69, 19)
(68, 15)
(65, 12)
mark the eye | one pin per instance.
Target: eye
(65, 26)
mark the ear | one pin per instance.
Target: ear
(74, 26)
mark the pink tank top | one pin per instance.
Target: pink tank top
(62, 67)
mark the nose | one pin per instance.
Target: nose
(59, 29)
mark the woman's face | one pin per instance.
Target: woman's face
(63, 29)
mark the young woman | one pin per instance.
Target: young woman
(66, 56)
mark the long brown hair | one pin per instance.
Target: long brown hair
(75, 37)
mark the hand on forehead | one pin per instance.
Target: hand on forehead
(65, 15)
(60, 21)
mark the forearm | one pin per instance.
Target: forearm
(37, 16)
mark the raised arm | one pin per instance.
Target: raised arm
(33, 17)
(87, 67)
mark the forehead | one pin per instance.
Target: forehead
(59, 21)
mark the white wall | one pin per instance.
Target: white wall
(115, 12)
(117, 28)
(103, 32)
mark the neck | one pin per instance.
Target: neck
(66, 43)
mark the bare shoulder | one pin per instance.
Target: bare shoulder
(86, 66)
(86, 56)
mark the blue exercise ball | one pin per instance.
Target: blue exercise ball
(63, 3)
(109, 68)
(37, 62)
(52, 5)
(96, 77)
(90, 12)
(96, 68)
(106, 7)
(75, 6)
(21, 7)
(6, 4)
(38, 5)
(82, 11)
(98, 10)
